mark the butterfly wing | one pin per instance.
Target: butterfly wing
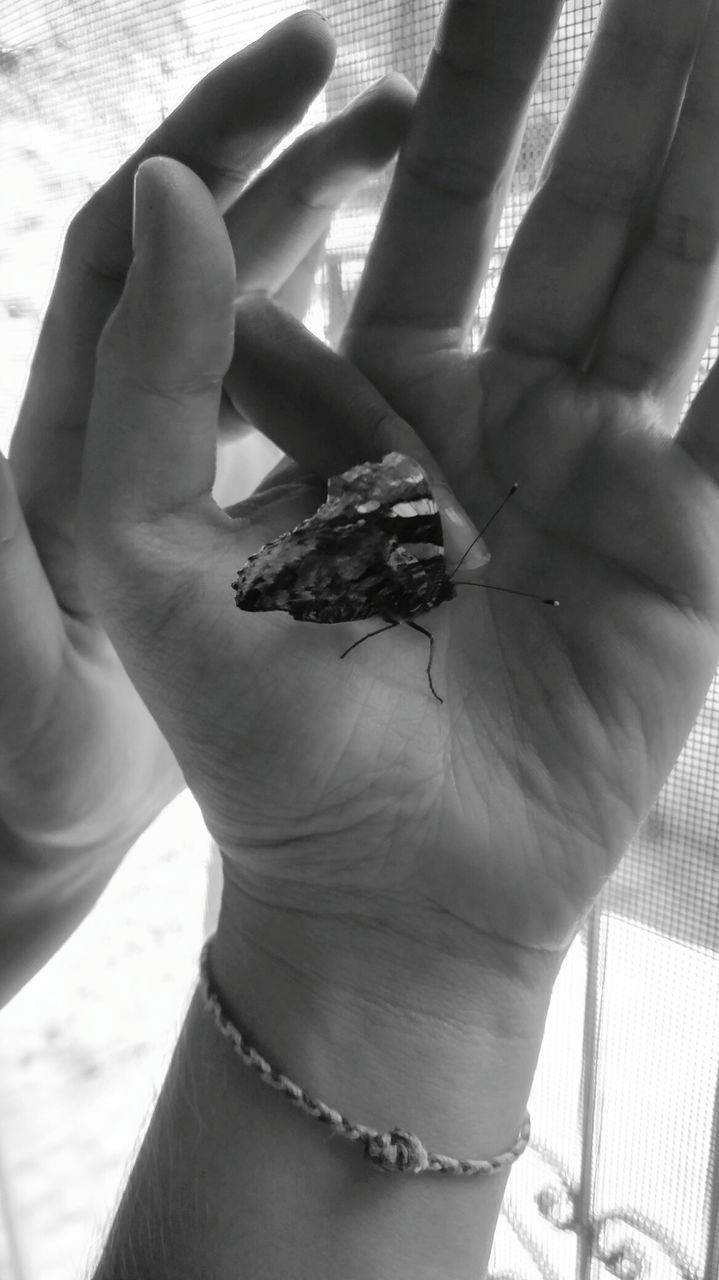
(375, 548)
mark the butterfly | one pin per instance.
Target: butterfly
(375, 548)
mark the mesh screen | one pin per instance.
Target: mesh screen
(622, 1173)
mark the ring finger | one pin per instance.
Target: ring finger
(439, 222)
(602, 169)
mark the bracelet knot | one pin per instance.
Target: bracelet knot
(397, 1152)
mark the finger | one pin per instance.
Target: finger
(438, 226)
(287, 471)
(275, 508)
(293, 296)
(153, 422)
(290, 205)
(32, 635)
(322, 411)
(309, 401)
(279, 224)
(157, 555)
(225, 127)
(223, 130)
(662, 315)
(601, 172)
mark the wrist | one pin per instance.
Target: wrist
(389, 1033)
(229, 1169)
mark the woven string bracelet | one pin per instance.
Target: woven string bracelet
(393, 1152)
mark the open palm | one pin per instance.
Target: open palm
(507, 806)
(604, 307)
(558, 726)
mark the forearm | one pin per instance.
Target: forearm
(232, 1180)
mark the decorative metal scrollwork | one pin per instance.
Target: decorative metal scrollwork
(556, 1200)
(556, 1204)
(625, 1241)
(627, 1261)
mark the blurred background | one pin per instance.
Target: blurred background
(622, 1176)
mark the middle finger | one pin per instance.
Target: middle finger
(439, 222)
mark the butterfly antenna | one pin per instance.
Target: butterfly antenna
(483, 530)
(511, 591)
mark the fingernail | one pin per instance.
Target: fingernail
(316, 13)
(461, 536)
(371, 89)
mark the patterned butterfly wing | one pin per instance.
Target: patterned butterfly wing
(374, 548)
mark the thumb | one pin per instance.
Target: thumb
(153, 422)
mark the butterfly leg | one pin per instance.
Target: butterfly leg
(423, 631)
(369, 635)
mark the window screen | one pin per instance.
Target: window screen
(622, 1175)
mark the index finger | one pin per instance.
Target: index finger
(438, 225)
(223, 130)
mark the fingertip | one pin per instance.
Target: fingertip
(149, 191)
(160, 172)
(159, 180)
(381, 116)
(462, 541)
(166, 176)
(315, 15)
(180, 234)
(396, 86)
(269, 84)
(312, 43)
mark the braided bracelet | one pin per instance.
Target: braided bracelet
(393, 1152)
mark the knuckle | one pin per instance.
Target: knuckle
(122, 360)
(685, 237)
(218, 172)
(459, 178)
(612, 191)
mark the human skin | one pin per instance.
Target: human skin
(83, 766)
(403, 878)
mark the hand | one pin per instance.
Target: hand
(83, 767)
(402, 877)
(560, 725)
(347, 802)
